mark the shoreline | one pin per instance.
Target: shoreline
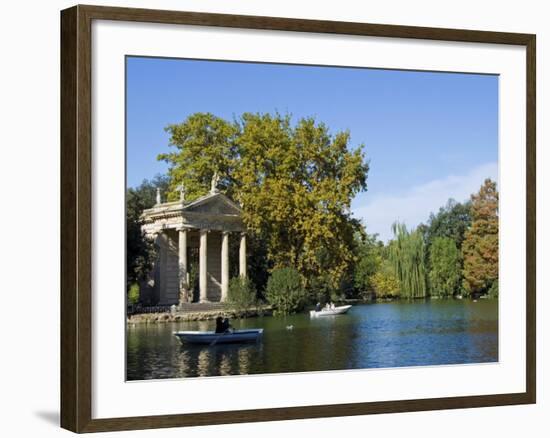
(199, 315)
(206, 315)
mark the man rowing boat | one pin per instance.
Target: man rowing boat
(222, 325)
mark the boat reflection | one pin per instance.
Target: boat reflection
(217, 360)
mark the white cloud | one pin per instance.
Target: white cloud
(415, 205)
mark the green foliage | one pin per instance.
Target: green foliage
(369, 260)
(241, 294)
(204, 144)
(407, 255)
(445, 267)
(384, 281)
(140, 251)
(451, 221)
(493, 291)
(374, 273)
(295, 184)
(133, 294)
(285, 291)
(480, 247)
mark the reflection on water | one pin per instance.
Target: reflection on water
(369, 336)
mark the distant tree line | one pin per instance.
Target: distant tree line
(454, 253)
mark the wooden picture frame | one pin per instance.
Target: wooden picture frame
(76, 217)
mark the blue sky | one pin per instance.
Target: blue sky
(428, 136)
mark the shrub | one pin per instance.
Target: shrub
(133, 294)
(241, 294)
(493, 291)
(285, 291)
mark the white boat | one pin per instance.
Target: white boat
(340, 310)
(213, 338)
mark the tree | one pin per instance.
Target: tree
(407, 254)
(451, 221)
(241, 294)
(205, 144)
(384, 281)
(140, 251)
(445, 267)
(480, 246)
(295, 184)
(369, 260)
(285, 291)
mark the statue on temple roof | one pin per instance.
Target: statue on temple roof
(214, 183)
(158, 196)
(181, 190)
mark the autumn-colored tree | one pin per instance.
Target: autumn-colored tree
(480, 246)
(295, 184)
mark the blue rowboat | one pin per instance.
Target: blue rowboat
(212, 338)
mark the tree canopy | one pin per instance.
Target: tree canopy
(451, 221)
(295, 183)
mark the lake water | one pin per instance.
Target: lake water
(380, 335)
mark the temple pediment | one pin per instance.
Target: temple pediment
(213, 204)
(214, 211)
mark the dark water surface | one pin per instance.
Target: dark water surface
(381, 335)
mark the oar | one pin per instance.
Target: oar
(215, 340)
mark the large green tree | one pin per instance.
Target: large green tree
(295, 183)
(480, 246)
(445, 267)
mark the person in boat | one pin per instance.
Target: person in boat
(332, 306)
(226, 326)
(318, 307)
(219, 325)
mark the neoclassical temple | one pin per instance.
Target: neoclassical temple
(181, 227)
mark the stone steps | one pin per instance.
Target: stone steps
(200, 307)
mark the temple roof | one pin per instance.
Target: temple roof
(213, 211)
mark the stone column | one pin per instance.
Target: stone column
(242, 256)
(182, 264)
(225, 265)
(203, 267)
